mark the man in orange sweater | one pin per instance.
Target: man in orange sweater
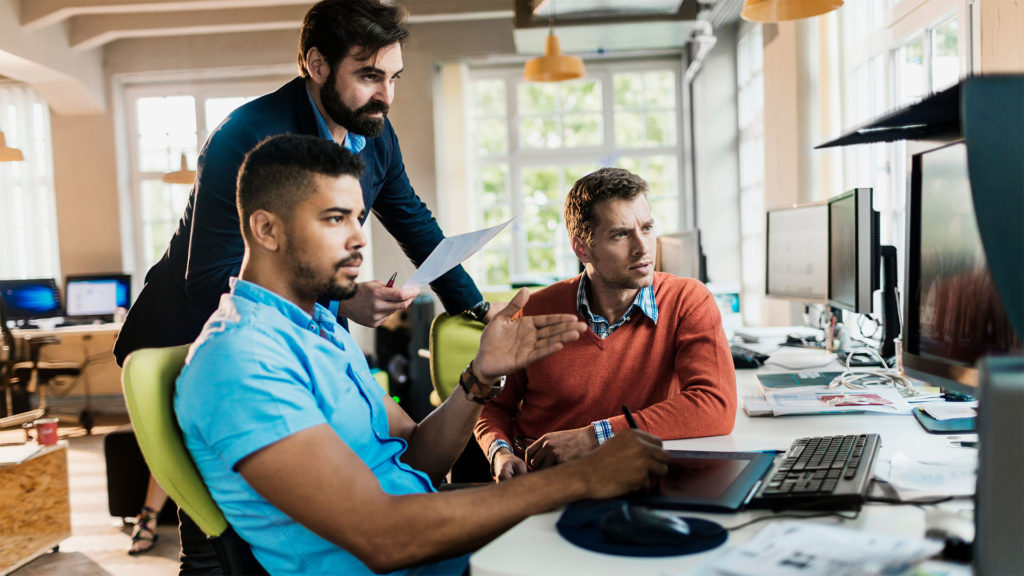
(655, 343)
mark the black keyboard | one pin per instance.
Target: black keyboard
(821, 473)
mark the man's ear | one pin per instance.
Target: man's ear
(317, 66)
(580, 249)
(267, 230)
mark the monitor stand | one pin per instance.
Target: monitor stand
(890, 303)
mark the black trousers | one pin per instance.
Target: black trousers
(197, 555)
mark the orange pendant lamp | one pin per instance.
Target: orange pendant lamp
(553, 66)
(782, 10)
(8, 154)
(181, 176)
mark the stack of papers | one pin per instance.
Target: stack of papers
(17, 454)
(825, 400)
(792, 548)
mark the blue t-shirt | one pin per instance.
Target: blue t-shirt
(261, 370)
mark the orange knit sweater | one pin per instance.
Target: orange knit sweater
(677, 376)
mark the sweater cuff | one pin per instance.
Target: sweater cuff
(603, 431)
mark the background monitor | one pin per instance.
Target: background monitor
(796, 262)
(680, 254)
(853, 260)
(954, 315)
(25, 300)
(97, 295)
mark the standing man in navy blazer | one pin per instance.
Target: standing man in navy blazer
(350, 57)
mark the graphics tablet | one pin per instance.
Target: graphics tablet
(712, 481)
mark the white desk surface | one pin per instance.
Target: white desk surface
(535, 547)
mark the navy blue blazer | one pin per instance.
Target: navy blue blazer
(183, 288)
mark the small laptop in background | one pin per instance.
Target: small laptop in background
(96, 297)
(28, 302)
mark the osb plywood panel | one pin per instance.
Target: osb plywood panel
(35, 514)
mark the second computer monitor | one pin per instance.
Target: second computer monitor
(853, 251)
(680, 254)
(797, 252)
(97, 295)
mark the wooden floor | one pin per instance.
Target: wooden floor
(99, 542)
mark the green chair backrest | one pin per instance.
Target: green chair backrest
(148, 380)
(454, 341)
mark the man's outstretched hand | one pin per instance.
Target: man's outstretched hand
(374, 302)
(510, 343)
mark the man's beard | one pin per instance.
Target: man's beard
(356, 121)
(331, 288)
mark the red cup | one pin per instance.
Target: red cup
(46, 431)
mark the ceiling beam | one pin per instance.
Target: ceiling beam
(36, 14)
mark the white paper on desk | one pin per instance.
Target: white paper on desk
(792, 358)
(814, 400)
(950, 410)
(451, 252)
(790, 548)
(17, 454)
(936, 474)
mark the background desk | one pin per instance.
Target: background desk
(35, 513)
(535, 547)
(92, 345)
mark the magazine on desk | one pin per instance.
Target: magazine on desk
(825, 400)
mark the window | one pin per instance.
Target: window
(28, 213)
(750, 111)
(529, 142)
(163, 124)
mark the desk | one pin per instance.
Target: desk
(90, 345)
(35, 513)
(535, 547)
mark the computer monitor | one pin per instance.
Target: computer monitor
(97, 295)
(26, 300)
(954, 315)
(853, 251)
(680, 254)
(796, 252)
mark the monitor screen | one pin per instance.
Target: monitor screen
(30, 299)
(97, 295)
(797, 252)
(852, 251)
(954, 313)
(679, 254)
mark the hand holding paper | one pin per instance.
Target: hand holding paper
(451, 252)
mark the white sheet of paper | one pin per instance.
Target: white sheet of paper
(451, 252)
(812, 400)
(950, 410)
(791, 548)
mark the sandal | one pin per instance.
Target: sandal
(144, 536)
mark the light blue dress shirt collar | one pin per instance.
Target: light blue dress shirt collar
(354, 143)
(321, 320)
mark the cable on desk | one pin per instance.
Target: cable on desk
(882, 376)
(797, 516)
(898, 502)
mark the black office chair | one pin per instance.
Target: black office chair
(19, 380)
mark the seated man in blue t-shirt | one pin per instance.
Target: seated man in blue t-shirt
(311, 462)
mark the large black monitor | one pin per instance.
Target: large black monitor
(680, 254)
(97, 295)
(853, 250)
(954, 315)
(26, 300)
(796, 262)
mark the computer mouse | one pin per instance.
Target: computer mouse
(746, 358)
(629, 524)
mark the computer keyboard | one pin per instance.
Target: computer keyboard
(821, 473)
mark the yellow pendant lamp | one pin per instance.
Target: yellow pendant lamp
(553, 66)
(182, 175)
(8, 154)
(782, 10)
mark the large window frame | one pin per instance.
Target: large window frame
(571, 163)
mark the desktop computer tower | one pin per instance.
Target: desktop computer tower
(999, 510)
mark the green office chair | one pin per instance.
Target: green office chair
(148, 380)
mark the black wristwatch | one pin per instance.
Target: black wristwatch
(479, 311)
(476, 390)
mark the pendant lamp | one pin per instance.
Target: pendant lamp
(9, 154)
(553, 66)
(181, 176)
(781, 10)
